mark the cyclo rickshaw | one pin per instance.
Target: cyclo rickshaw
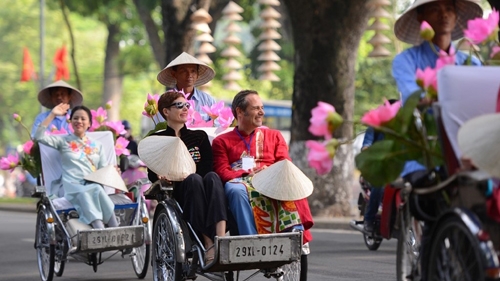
(179, 254)
(60, 236)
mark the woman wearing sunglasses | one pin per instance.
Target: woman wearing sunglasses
(201, 195)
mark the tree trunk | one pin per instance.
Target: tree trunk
(326, 36)
(113, 80)
(152, 31)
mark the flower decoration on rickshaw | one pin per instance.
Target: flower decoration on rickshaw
(29, 158)
(220, 115)
(409, 130)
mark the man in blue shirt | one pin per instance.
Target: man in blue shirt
(186, 73)
(447, 18)
(52, 95)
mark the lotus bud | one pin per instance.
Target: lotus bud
(16, 117)
(426, 31)
(108, 105)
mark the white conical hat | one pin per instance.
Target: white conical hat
(107, 176)
(45, 99)
(167, 156)
(478, 140)
(283, 181)
(205, 72)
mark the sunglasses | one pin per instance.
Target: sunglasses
(181, 105)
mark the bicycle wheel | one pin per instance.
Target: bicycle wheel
(44, 250)
(454, 253)
(60, 252)
(165, 265)
(372, 243)
(408, 248)
(140, 255)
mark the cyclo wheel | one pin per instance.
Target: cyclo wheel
(165, 265)
(371, 242)
(44, 250)
(408, 248)
(454, 253)
(60, 252)
(140, 257)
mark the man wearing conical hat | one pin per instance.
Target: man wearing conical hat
(186, 73)
(448, 19)
(52, 95)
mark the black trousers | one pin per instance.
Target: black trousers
(203, 202)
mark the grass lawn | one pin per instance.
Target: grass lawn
(18, 200)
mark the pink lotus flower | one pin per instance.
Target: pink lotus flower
(495, 53)
(319, 157)
(10, 162)
(214, 110)
(225, 118)
(319, 120)
(16, 117)
(381, 114)
(445, 58)
(108, 105)
(197, 121)
(27, 147)
(121, 146)
(54, 131)
(192, 117)
(426, 31)
(480, 30)
(99, 116)
(116, 126)
(427, 80)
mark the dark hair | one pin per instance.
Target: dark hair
(167, 99)
(391, 101)
(240, 101)
(84, 108)
(126, 124)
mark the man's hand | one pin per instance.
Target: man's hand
(60, 109)
(466, 164)
(254, 171)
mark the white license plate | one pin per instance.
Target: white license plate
(260, 250)
(115, 238)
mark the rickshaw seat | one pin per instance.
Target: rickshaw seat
(464, 92)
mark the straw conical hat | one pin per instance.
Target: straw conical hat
(206, 59)
(45, 99)
(206, 48)
(268, 66)
(204, 37)
(232, 75)
(167, 156)
(201, 26)
(269, 34)
(283, 181)
(233, 17)
(269, 2)
(269, 45)
(268, 55)
(232, 27)
(107, 176)
(232, 64)
(269, 76)
(230, 51)
(232, 39)
(205, 72)
(407, 27)
(478, 140)
(270, 23)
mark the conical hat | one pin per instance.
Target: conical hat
(167, 156)
(205, 72)
(478, 140)
(44, 94)
(107, 176)
(407, 27)
(283, 181)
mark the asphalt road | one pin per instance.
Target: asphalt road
(337, 255)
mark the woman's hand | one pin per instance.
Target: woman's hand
(60, 109)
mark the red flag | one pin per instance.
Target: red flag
(62, 70)
(28, 71)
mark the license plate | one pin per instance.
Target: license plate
(115, 238)
(260, 250)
